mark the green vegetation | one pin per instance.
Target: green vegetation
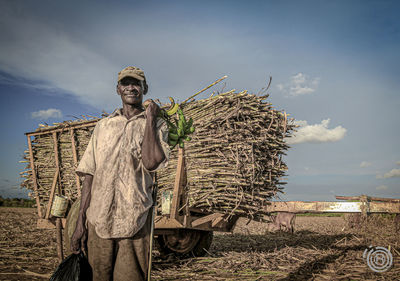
(320, 215)
(16, 202)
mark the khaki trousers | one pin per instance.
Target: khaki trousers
(120, 259)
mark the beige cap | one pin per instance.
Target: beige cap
(131, 71)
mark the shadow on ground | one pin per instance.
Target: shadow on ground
(275, 241)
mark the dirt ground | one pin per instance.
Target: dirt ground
(322, 248)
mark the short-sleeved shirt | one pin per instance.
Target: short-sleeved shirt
(121, 193)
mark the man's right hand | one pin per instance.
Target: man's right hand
(78, 239)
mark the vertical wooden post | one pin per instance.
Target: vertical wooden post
(56, 176)
(59, 239)
(56, 157)
(51, 196)
(75, 156)
(58, 220)
(180, 182)
(35, 188)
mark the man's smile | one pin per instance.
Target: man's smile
(135, 94)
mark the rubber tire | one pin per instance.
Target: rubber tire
(200, 249)
(204, 244)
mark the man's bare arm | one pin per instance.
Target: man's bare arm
(152, 152)
(80, 234)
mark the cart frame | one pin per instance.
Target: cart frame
(183, 217)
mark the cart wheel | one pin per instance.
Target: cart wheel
(202, 247)
(71, 224)
(185, 242)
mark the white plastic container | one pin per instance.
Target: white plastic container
(166, 201)
(59, 207)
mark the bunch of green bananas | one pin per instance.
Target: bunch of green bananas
(180, 131)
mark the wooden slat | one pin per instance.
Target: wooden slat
(56, 157)
(333, 207)
(54, 130)
(165, 225)
(217, 221)
(58, 221)
(206, 219)
(52, 191)
(384, 207)
(75, 156)
(165, 222)
(348, 197)
(180, 182)
(393, 200)
(56, 176)
(34, 179)
(60, 251)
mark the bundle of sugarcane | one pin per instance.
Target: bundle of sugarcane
(234, 160)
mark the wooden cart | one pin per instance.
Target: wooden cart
(187, 230)
(184, 230)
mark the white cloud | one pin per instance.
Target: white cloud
(394, 173)
(83, 57)
(316, 133)
(52, 59)
(365, 164)
(382, 187)
(299, 84)
(280, 87)
(21, 82)
(46, 114)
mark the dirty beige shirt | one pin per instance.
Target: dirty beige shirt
(121, 192)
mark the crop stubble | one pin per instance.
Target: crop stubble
(322, 248)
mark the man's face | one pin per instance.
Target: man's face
(130, 90)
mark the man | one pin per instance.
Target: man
(118, 165)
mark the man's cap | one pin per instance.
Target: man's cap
(131, 71)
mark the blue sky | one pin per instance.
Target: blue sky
(334, 67)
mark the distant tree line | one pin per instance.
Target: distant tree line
(17, 202)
